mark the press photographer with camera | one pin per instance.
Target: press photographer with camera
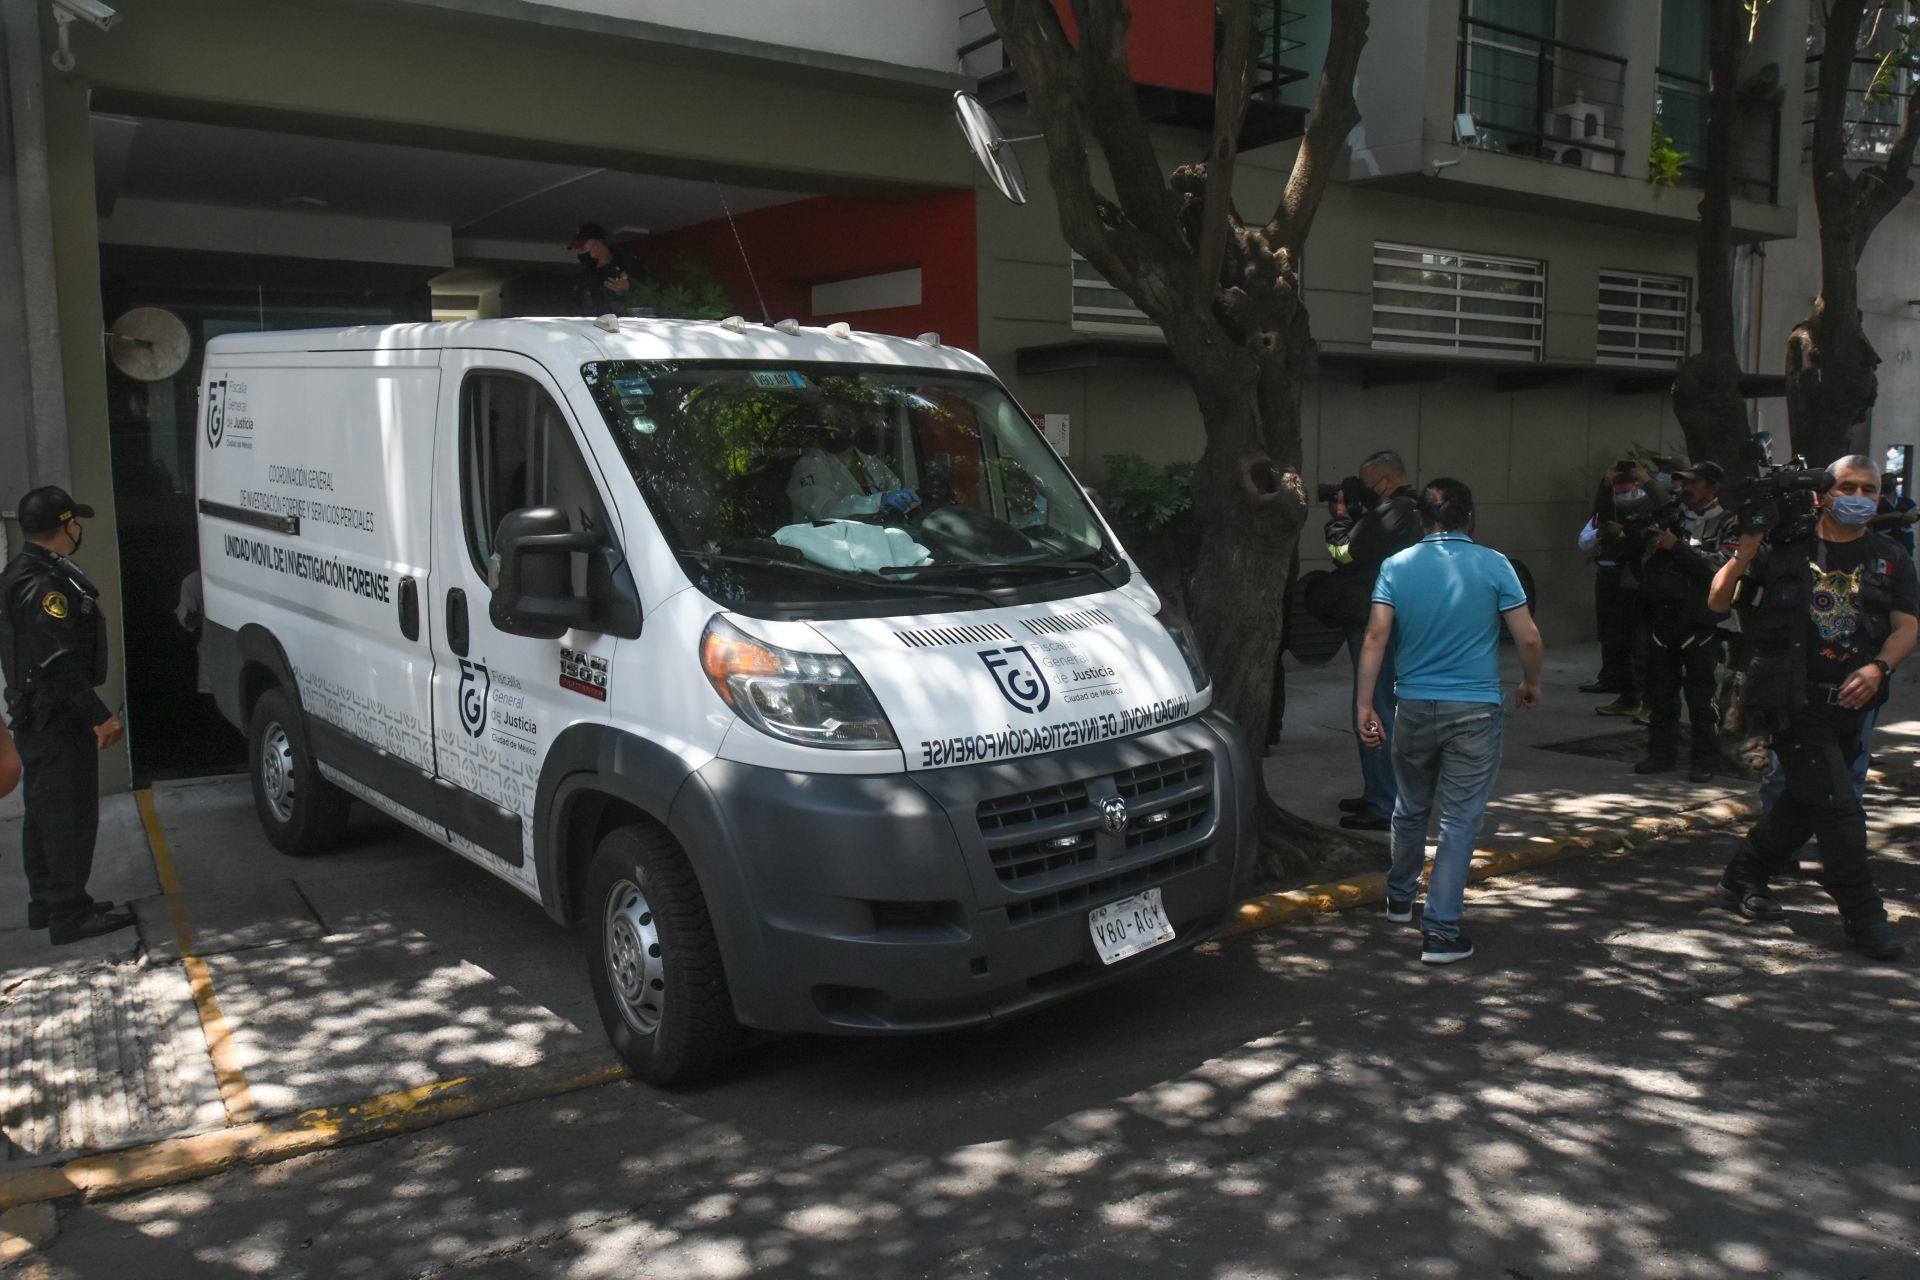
(1828, 614)
(1686, 541)
(1376, 513)
(1617, 601)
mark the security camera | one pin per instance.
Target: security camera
(1464, 132)
(89, 11)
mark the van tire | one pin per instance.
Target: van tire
(653, 960)
(301, 812)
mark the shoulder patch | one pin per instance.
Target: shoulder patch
(54, 605)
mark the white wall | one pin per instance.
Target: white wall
(907, 33)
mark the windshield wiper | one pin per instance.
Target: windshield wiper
(836, 576)
(1049, 565)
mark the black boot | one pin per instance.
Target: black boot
(1875, 939)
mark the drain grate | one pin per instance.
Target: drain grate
(94, 1057)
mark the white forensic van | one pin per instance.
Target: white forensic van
(791, 664)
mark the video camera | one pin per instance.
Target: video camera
(1780, 500)
(1350, 491)
(1655, 506)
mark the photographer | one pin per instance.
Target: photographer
(1689, 540)
(1374, 516)
(1827, 618)
(1616, 586)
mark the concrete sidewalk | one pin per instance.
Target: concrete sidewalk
(260, 987)
(1545, 791)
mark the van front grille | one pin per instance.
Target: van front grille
(1043, 840)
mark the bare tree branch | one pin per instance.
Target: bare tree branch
(1106, 79)
(1232, 83)
(1334, 116)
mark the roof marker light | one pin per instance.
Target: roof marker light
(790, 327)
(839, 329)
(930, 339)
(610, 322)
(737, 324)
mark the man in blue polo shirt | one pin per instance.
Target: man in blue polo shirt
(1442, 601)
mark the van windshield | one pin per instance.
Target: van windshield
(817, 483)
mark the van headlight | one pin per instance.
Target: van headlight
(815, 699)
(1189, 646)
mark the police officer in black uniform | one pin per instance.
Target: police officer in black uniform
(1826, 618)
(1683, 640)
(53, 642)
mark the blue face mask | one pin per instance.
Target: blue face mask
(1853, 510)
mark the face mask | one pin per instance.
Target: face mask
(1853, 510)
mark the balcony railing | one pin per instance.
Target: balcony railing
(1876, 105)
(1547, 99)
(1680, 109)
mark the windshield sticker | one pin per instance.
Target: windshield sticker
(766, 378)
(1018, 678)
(624, 387)
(1006, 741)
(583, 673)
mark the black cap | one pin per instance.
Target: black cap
(588, 231)
(47, 508)
(1712, 472)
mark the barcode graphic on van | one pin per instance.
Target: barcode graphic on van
(328, 571)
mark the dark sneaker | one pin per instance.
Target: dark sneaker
(1621, 706)
(1700, 773)
(1445, 950)
(37, 911)
(89, 926)
(1358, 804)
(1654, 764)
(1599, 686)
(1400, 910)
(1367, 820)
(1875, 940)
(1751, 900)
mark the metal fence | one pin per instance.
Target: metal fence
(1548, 99)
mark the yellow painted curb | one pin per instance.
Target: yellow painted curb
(175, 1160)
(1271, 909)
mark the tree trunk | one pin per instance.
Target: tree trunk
(1706, 390)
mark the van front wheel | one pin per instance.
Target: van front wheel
(653, 960)
(301, 812)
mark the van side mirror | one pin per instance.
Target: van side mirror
(535, 596)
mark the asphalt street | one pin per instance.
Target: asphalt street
(1626, 1081)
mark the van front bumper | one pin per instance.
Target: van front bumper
(953, 897)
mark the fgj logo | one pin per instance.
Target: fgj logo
(1019, 678)
(476, 686)
(216, 412)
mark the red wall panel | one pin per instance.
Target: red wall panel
(1170, 42)
(796, 246)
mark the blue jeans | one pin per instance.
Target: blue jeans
(1376, 763)
(1774, 780)
(1446, 756)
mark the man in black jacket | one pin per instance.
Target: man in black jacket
(1683, 639)
(1387, 521)
(53, 644)
(1826, 621)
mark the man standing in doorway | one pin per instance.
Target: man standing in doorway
(53, 643)
(1831, 617)
(1441, 603)
(1388, 521)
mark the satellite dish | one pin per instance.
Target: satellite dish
(149, 344)
(989, 146)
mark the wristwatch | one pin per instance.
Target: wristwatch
(1886, 668)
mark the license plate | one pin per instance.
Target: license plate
(1129, 926)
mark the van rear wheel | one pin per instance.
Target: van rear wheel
(301, 812)
(653, 959)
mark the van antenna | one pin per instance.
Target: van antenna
(766, 316)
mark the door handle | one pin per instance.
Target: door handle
(457, 621)
(409, 608)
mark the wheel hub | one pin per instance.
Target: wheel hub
(276, 771)
(633, 957)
